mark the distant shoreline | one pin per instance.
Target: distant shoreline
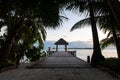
(83, 48)
(75, 48)
(80, 48)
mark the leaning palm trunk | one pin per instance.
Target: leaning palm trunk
(115, 8)
(116, 41)
(97, 56)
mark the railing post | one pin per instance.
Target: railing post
(88, 59)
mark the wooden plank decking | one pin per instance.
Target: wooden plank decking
(61, 59)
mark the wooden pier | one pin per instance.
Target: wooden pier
(61, 59)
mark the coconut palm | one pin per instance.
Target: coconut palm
(25, 39)
(106, 23)
(114, 6)
(86, 5)
(15, 13)
(31, 32)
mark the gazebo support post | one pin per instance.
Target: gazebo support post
(65, 48)
(56, 47)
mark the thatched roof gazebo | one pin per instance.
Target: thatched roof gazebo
(61, 41)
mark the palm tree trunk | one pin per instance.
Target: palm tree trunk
(116, 42)
(97, 56)
(114, 7)
(5, 49)
(12, 31)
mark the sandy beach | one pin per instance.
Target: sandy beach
(23, 73)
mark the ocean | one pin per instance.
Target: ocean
(83, 53)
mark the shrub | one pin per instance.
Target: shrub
(4, 65)
(112, 64)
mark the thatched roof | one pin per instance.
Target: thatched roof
(61, 41)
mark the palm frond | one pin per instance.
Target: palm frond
(80, 5)
(81, 24)
(106, 42)
(109, 34)
(86, 21)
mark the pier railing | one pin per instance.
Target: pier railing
(71, 52)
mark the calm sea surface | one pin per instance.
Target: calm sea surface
(83, 53)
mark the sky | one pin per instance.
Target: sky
(83, 34)
(63, 31)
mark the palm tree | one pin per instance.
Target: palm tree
(114, 6)
(97, 56)
(106, 23)
(31, 32)
(15, 13)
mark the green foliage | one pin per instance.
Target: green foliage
(2, 39)
(112, 64)
(81, 24)
(4, 65)
(26, 24)
(106, 42)
(35, 54)
(109, 40)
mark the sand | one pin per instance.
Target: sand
(23, 73)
